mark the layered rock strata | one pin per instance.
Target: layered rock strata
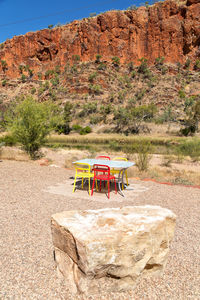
(164, 29)
(107, 250)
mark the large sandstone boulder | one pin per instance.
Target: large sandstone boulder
(107, 250)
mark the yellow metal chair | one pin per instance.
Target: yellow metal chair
(116, 171)
(83, 171)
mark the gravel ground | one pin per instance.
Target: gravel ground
(30, 194)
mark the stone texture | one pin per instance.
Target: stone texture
(164, 29)
(107, 250)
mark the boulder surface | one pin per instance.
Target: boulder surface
(107, 250)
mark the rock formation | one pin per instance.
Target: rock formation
(164, 29)
(107, 250)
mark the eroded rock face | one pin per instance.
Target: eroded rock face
(164, 29)
(107, 250)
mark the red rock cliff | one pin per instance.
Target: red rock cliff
(164, 29)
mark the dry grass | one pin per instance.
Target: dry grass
(13, 153)
(183, 171)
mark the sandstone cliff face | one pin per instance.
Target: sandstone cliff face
(164, 29)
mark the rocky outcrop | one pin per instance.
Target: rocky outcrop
(164, 29)
(107, 250)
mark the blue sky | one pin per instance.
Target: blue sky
(13, 11)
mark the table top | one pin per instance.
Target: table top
(121, 164)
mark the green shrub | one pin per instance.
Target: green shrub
(181, 94)
(95, 88)
(85, 130)
(76, 58)
(101, 66)
(8, 140)
(116, 61)
(132, 7)
(48, 73)
(4, 82)
(190, 148)
(114, 145)
(187, 63)
(92, 76)
(4, 65)
(92, 15)
(197, 65)
(98, 58)
(55, 81)
(143, 157)
(192, 119)
(33, 90)
(143, 67)
(30, 123)
(77, 127)
(23, 78)
(95, 119)
(159, 61)
(133, 74)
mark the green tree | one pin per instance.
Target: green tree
(50, 26)
(192, 119)
(31, 122)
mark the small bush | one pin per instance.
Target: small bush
(92, 76)
(76, 58)
(143, 157)
(197, 65)
(93, 15)
(167, 160)
(116, 61)
(190, 148)
(101, 66)
(4, 82)
(85, 130)
(181, 94)
(23, 78)
(8, 140)
(98, 58)
(77, 127)
(30, 122)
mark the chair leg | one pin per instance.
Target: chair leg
(89, 184)
(115, 187)
(92, 186)
(82, 182)
(74, 184)
(108, 189)
(96, 185)
(126, 177)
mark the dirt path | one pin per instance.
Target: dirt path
(31, 193)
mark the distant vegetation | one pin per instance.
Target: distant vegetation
(122, 98)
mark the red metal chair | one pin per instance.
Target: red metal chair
(103, 157)
(102, 172)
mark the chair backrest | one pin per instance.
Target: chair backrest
(97, 168)
(103, 157)
(83, 167)
(120, 158)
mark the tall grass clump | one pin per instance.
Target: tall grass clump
(191, 148)
(143, 156)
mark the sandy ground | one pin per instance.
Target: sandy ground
(31, 193)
